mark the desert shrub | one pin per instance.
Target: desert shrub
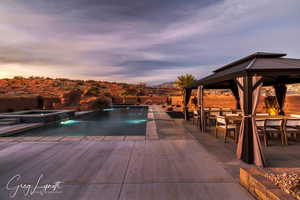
(97, 103)
(80, 82)
(93, 90)
(56, 84)
(91, 81)
(130, 92)
(107, 94)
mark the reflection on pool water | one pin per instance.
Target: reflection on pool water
(112, 121)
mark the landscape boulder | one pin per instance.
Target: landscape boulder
(71, 98)
(95, 103)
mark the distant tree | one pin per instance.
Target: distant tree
(184, 81)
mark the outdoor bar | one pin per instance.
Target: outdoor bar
(244, 78)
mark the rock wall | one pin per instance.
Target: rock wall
(11, 104)
(292, 104)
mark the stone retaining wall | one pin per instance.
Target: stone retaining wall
(254, 181)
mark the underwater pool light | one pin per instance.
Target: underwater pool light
(135, 121)
(69, 122)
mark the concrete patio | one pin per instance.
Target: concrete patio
(175, 166)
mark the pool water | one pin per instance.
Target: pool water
(119, 121)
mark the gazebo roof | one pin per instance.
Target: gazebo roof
(271, 66)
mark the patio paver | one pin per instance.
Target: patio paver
(162, 167)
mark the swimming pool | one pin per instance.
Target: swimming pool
(116, 121)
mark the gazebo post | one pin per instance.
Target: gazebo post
(186, 97)
(247, 150)
(200, 91)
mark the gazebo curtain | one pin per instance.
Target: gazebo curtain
(235, 92)
(258, 155)
(201, 106)
(280, 92)
(186, 98)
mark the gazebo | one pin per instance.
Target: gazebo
(244, 78)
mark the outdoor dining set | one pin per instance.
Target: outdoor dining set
(228, 121)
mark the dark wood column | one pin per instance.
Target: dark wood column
(248, 152)
(185, 111)
(186, 98)
(201, 106)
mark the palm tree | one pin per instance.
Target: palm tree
(184, 81)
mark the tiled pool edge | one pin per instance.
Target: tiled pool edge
(151, 129)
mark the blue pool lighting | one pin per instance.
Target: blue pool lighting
(108, 109)
(69, 122)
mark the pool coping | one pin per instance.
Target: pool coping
(151, 134)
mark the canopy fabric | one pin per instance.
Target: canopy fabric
(250, 74)
(271, 66)
(257, 150)
(280, 92)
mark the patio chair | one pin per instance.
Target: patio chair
(260, 126)
(221, 123)
(292, 127)
(275, 126)
(196, 118)
(214, 112)
(232, 114)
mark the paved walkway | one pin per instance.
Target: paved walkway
(174, 167)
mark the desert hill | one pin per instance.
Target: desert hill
(67, 93)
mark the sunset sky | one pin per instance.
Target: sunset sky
(150, 41)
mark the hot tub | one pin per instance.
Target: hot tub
(34, 116)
